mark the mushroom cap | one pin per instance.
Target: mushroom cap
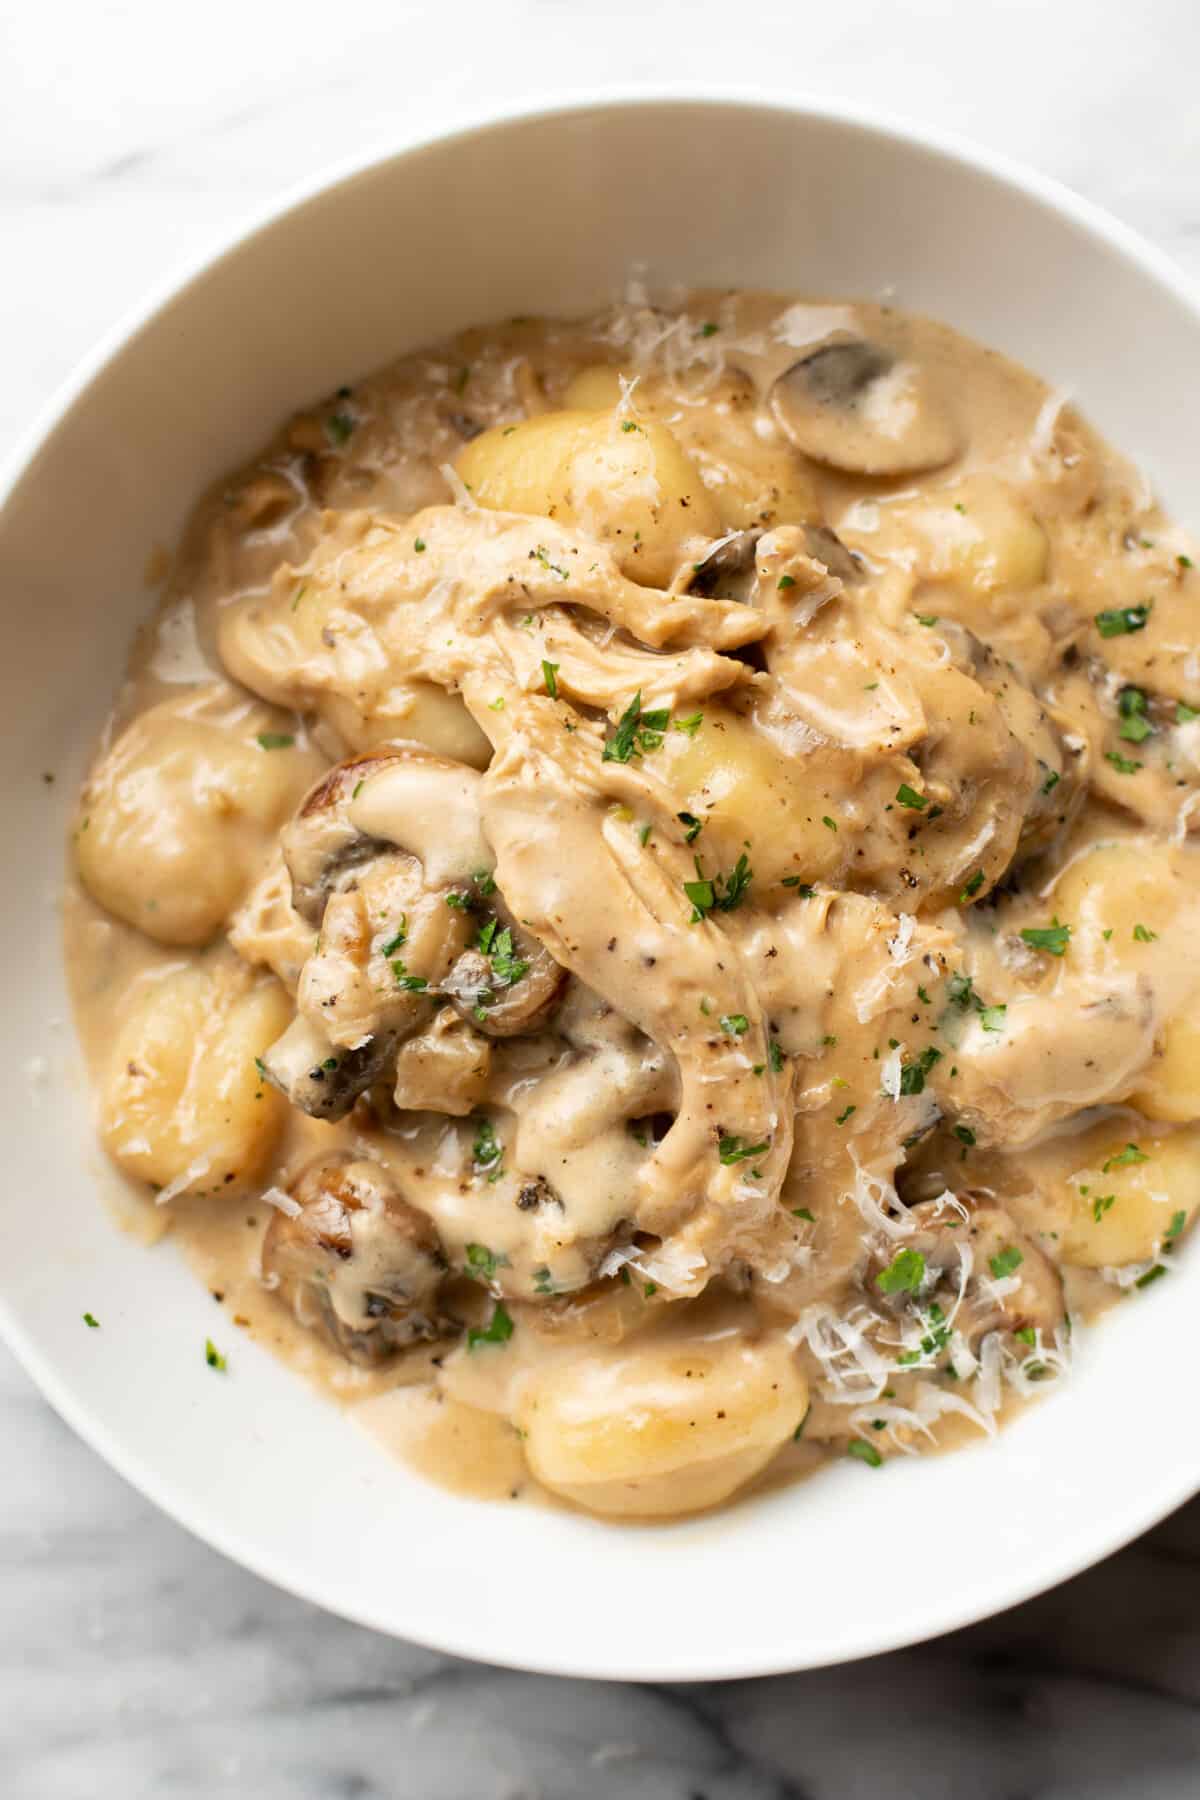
(856, 406)
(357, 1261)
(399, 798)
(498, 1008)
(313, 1074)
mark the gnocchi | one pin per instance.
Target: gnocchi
(626, 482)
(673, 1429)
(184, 1104)
(175, 817)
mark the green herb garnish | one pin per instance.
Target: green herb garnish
(1052, 938)
(499, 1329)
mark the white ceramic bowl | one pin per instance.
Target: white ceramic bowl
(541, 212)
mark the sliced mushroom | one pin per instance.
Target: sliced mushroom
(402, 798)
(729, 570)
(726, 571)
(317, 1077)
(356, 1261)
(509, 983)
(825, 546)
(856, 406)
(445, 1069)
(987, 1242)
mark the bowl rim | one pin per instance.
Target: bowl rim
(1092, 1541)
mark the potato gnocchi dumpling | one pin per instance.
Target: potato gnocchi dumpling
(690, 834)
(1125, 1192)
(665, 1429)
(626, 482)
(184, 1097)
(174, 818)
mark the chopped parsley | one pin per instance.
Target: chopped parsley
(787, 581)
(1178, 1221)
(693, 824)
(1135, 726)
(499, 1329)
(339, 426)
(401, 936)
(1124, 765)
(926, 619)
(827, 821)
(1005, 1261)
(775, 1056)
(550, 677)
(965, 1135)
(735, 1150)
(960, 991)
(274, 740)
(94, 1324)
(487, 1150)
(1184, 714)
(859, 1447)
(1052, 780)
(843, 1116)
(735, 1024)
(710, 330)
(691, 724)
(1143, 935)
(539, 555)
(1118, 620)
(412, 984)
(1150, 1275)
(419, 545)
(1052, 938)
(497, 946)
(1124, 1158)
(912, 1074)
(802, 1212)
(903, 1275)
(212, 1356)
(637, 732)
(972, 887)
(485, 881)
(718, 893)
(909, 797)
(804, 889)
(1100, 1205)
(992, 1018)
(482, 1263)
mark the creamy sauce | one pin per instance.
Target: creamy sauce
(638, 897)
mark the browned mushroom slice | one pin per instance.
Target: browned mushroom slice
(726, 571)
(854, 405)
(355, 1261)
(317, 1076)
(508, 984)
(445, 1068)
(825, 546)
(403, 798)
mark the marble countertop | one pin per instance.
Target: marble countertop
(133, 1660)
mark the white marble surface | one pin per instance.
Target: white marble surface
(135, 1662)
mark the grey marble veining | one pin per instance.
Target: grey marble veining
(134, 1662)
